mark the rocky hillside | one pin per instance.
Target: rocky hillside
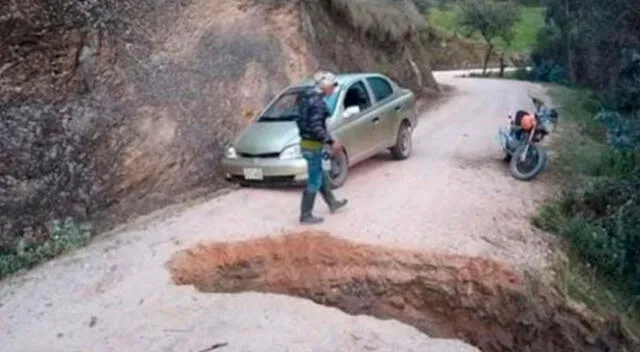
(112, 108)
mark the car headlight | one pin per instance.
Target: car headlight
(291, 152)
(230, 153)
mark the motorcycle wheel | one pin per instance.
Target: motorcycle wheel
(532, 165)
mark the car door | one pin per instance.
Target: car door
(387, 110)
(356, 131)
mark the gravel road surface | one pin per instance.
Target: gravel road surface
(453, 195)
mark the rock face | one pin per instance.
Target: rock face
(480, 301)
(110, 109)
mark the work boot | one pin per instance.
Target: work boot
(306, 208)
(329, 198)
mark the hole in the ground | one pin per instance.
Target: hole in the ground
(480, 301)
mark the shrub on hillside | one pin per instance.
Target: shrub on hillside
(602, 223)
(547, 71)
(590, 40)
(64, 236)
(599, 213)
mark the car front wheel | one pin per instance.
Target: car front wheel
(339, 169)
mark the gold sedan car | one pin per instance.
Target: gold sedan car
(370, 113)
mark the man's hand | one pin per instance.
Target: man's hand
(336, 147)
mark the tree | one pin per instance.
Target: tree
(586, 43)
(566, 17)
(491, 19)
(508, 38)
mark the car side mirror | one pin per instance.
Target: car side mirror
(350, 111)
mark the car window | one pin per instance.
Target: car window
(284, 108)
(332, 102)
(380, 87)
(357, 95)
(287, 106)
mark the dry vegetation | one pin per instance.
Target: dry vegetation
(382, 21)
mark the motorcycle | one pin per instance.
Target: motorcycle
(521, 140)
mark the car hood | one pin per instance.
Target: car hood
(267, 137)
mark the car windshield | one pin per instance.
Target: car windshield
(286, 107)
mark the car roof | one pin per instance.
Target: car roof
(344, 79)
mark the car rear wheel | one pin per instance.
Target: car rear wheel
(404, 143)
(339, 169)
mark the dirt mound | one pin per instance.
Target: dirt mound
(480, 301)
(114, 108)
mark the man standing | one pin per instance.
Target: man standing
(315, 137)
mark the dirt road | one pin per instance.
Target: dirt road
(453, 195)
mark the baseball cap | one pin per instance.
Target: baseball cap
(324, 78)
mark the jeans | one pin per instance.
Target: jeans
(314, 169)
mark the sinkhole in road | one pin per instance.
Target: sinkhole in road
(480, 301)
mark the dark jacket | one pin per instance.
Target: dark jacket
(313, 116)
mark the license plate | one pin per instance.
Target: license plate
(326, 165)
(326, 162)
(252, 174)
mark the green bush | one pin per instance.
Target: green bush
(64, 236)
(598, 212)
(601, 222)
(520, 74)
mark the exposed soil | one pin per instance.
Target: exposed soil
(481, 301)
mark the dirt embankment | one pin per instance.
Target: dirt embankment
(480, 301)
(113, 108)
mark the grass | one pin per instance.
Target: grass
(576, 280)
(583, 160)
(65, 236)
(526, 29)
(443, 19)
(582, 145)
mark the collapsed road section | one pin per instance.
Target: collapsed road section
(480, 301)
